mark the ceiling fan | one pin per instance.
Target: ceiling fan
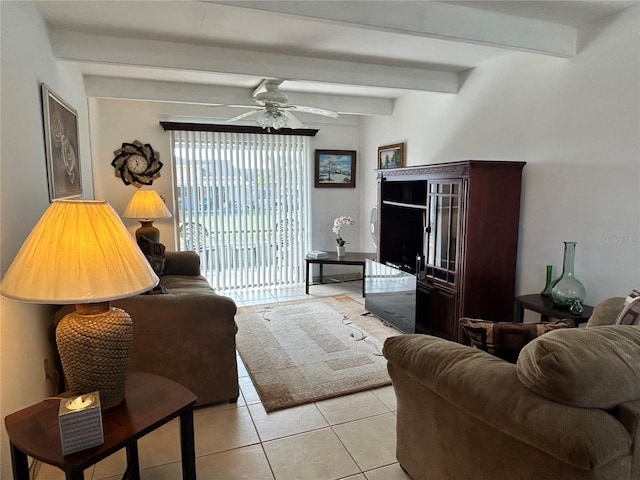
(274, 109)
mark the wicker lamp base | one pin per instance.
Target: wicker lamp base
(94, 344)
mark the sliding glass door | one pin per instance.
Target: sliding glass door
(242, 204)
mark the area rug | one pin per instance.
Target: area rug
(309, 350)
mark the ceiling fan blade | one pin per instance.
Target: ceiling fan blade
(292, 122)
(246, 105)
(244, 115)
(313, 110)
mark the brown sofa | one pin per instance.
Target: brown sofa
(568, 410)
(186, 335)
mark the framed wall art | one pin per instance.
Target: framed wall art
(61, 146)
(335, 169)
(391, 156)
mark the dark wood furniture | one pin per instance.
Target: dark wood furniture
(355, 258)
(455, 225)
(545, 307)
(150, 401)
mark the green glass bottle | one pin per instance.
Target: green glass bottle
(547, 288)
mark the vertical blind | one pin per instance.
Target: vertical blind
(243, 205)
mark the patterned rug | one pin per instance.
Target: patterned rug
(309, 350)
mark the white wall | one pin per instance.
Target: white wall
(114, 122)
(576, 122)
(117, 121)
(26, 62)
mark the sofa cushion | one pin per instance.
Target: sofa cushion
(595, 367)
(181, 263)
(187, 284)
(506, 339)
(154, 251)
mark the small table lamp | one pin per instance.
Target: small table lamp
(147, 206)
(80, 252)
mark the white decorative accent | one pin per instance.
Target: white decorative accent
(373, 226)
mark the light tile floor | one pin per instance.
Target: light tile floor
(350, 437)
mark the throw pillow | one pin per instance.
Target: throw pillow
(158, 290)
(154, 251)
(630, 314)
(593, 367)
(506, 339)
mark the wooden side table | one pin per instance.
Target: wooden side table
(150, 402)
(355, 258)
(545, 307)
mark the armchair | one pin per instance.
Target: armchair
(568, 410)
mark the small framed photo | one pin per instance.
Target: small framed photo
(61, 146)
(391, 156)
(335, 169)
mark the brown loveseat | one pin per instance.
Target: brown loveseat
(186, 335)
(568, 410)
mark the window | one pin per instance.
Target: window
(243, 205)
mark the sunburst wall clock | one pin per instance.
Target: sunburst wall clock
(137, 164)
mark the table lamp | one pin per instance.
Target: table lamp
(147, 206)
(80, 252)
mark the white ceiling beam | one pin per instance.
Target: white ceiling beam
(199, 94)
(82, 47)
(444, 21)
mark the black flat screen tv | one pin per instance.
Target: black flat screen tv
(403, 236)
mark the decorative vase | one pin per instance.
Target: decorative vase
(341, 251)
(567, 291)
(547, 287)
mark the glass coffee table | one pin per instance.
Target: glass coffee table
(355, 258)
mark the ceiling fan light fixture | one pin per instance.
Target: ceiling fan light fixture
(272, 110)
(272, 118)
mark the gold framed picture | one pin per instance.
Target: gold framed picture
(391, 156)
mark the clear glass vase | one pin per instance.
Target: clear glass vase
(567, 291)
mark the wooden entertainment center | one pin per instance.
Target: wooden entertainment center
(455, 226)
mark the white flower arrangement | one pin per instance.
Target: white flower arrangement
(337, 223)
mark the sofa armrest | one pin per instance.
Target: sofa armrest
(182, 263)
(488, 389)
(188, 338)
(168, 314)
(186, 308)
(606, 312)
(629, 415)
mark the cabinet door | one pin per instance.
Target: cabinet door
(436, 311)
(443, 230)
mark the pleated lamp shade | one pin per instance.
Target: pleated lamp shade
(79, 252)
(146, 205)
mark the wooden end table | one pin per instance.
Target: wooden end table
(355, 258)
(150, 401)
(545, 307)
